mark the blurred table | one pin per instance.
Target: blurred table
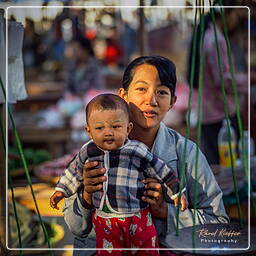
(225, 180)
(55, 140)
(40, 95)
(215, 239)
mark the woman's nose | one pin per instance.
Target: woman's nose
(151, 98)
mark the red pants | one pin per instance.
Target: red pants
(133, 232)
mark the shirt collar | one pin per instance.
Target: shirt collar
(165, 144)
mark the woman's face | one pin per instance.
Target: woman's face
(148, 99)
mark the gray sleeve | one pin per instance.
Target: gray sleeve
(77, 215)
(210, 207)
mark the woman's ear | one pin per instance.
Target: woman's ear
(173, 100)
(122, 93)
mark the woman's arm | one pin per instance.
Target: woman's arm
(77, 214)
(210, 208)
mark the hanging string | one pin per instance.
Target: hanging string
(234, 87)
(15, 212)
(21, 152)
(191, 79)
(12, 191)
(226, 114)
(199, 121)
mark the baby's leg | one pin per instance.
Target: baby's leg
(142, 234)
(108, 236)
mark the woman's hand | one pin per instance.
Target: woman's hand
(153, 195)
(93, 179)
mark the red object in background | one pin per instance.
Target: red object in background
(90, 34)
(113, 53)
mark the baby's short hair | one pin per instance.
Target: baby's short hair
(107, 101)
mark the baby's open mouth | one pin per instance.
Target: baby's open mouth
(109, 141)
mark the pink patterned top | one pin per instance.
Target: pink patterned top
(213, 103)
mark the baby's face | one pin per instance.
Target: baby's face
(108, 128)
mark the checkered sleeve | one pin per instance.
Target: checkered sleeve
(156, 168)
(72, 176)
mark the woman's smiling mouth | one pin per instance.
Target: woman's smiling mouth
(149, 113)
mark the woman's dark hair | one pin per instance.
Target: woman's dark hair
(166, 71)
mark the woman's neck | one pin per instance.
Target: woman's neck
(147, 136)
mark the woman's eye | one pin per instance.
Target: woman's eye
(162, 92)
(116, 126)
(99, 128)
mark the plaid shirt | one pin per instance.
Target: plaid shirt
(126, 167)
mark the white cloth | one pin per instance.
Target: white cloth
(2, 54)
(16, 82)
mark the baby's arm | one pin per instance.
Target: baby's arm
(168, 178)
(71, 178)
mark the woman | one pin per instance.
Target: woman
(149, 87)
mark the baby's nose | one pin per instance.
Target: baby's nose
(109, 132)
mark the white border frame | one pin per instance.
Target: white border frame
(128, 249)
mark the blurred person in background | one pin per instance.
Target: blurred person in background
(128, 38)
(213, 103)
(32, 52)
(84, 71)
(58, 43)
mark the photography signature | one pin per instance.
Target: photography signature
(218, 233)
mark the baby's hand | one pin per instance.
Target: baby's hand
(55, 198)
(183, 202)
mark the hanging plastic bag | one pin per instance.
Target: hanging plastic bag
(16, 82)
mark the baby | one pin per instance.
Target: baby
(121, 219)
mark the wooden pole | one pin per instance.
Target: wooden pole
(143, 49)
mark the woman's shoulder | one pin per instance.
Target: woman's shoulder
(178, 139)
